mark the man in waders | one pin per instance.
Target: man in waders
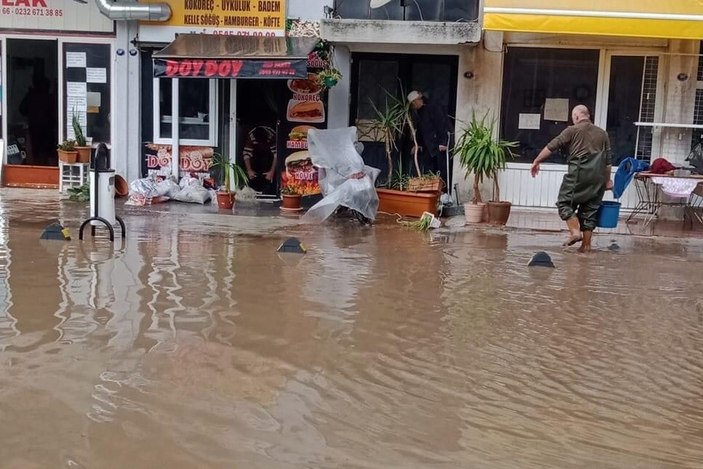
(588, 176)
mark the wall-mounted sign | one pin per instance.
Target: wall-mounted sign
(58, 15)
(194, 68)
(231, 17)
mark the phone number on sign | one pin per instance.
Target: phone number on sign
(32, 11)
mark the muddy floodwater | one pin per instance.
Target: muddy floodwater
(192, 344)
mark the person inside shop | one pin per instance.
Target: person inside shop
(433, 132)
(40, 120)
(260, 159)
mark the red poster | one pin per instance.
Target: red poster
(191, 159)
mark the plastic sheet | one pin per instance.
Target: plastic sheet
(334, 153)
(149, 190)
(192, 191)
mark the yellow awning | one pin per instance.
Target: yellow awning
(673, 19)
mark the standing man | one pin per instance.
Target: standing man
(433, 132)
(260, 159)
(588, 176)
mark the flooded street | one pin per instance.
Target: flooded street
(193, 344)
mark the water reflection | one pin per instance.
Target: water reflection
(189, 346)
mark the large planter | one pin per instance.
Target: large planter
(474, 213)
(498, 212)
(69, 157)
(407, 204)
(84, 154)
(291, 202)
(225, 200)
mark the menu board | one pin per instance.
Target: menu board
(230, 17)
(306, 109)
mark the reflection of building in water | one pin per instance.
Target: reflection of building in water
(7, 321)
(35, 289)
(332, 279)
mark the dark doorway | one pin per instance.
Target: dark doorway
(261, 105)
(376, 75)
(32, 102)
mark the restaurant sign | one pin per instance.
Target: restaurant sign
(228, 17)
(53, 15)
(249, 68)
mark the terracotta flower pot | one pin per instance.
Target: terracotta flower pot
(474, 212)
(68, 156)
(498, 212)
(121, 186)
(225, 200)
(291, 201)
(84, 154)
(407, 204)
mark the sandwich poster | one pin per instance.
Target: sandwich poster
(306, 109)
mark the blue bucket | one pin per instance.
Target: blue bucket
(608, 214)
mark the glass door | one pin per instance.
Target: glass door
(32, 102)
(632, 93)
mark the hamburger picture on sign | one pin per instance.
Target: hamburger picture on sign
(306, 109)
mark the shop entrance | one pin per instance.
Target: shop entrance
(375, 76)
(260, 106)
(32, 102)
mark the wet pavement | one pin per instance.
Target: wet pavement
(193, 344)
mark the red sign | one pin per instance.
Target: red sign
(198, 68)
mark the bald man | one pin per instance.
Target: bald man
(588, 176)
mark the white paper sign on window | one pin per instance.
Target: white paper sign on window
(556, 109)
(75, 59)
(529, 121)
(96, 75)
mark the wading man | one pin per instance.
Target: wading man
(587, 149)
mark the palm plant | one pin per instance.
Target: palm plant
(231, 173)
(482, 154)
(391, 122)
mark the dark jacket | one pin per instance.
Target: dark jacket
(433, 126)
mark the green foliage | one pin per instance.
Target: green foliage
(79, 194)
(481, 154)
(391, 121)
(67, 145)
(78, 130)
(423, 224)
(289, 190)
(232, 174)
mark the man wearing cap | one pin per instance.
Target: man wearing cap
(433, 133)
(588, 175)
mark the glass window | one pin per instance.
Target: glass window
(415, 10)
(532, 76)
(165, 95)
(197, 111)
(92, 102)
(377, 78)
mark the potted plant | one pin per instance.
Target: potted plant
(483, 155)
(329, 77)
(291, 198)
(83, 149)
(67, 151)
(403, 194)
(231, 175)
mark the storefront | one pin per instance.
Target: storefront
(215, 88)
(636, 65)
(392, 48)
(56, 60)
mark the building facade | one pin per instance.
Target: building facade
(56, 59)
(636, 65)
